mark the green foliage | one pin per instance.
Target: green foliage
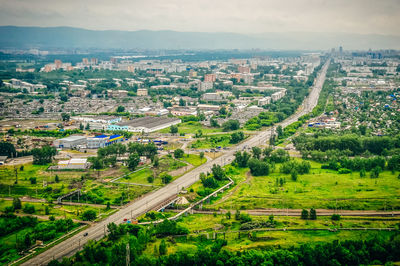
(301, 168)
(237, 137)
(162, 249)
(120, 109)
(89, 215)
(166, 178)
(258, 168)
(231, 125)
(313, 214)
(32, 180)
(133, 161)
(43, 155)
(170, 227)
(173, 129)
(218, 172)
(178, 153)
(29, 208)
(335, 217)
(304, 214)
(16, 203)
(242, 158)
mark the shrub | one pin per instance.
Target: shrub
(28, 208)
(335, 217)
(344, 171)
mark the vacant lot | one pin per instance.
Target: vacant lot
(319, 189)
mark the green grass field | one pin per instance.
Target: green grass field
(191, 128)
(319, 189)
(58, 211)
(201, 224)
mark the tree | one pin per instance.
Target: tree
(375, 172)
(222, 110)
(173, 129)
(256, 151)
(108, 205)
(133, 161)
(29, 208)
(218, 172)
(33, 180)
(279, 131)
(236, 137)
(362, 129)
(304, 214)
(228, 215)
(258, 168)
(182, 102)
(156, 161)
(57, 179)
(313, 214)
(43, 155)
(7, 149)
(162, 249)
(87, 126)
(242, 158)
(47, 210)
(178, 153)
(81, 126)
(65, 117)
(201, 156)
(335, 217)
(17, 203)
(89, 215)
(231, 125)
(120, 109)
(213, 122)
(166, 178)
(362, 172)
(293, 175)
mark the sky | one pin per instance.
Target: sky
(239, 16)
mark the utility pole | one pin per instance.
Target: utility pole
(128, 259)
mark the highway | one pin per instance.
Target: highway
(154, 198)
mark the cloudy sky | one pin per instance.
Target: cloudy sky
(241, 16)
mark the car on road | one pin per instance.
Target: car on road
(85, 234)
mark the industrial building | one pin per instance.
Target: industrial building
(103, 141)
(70, 142)
(145, 124)
(77, 163)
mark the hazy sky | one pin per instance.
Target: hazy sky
(242, 16)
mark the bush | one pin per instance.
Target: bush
(33, 180)
(89, 215)
(335, 217)
(150, 179)
(344, 171)
(28, 208)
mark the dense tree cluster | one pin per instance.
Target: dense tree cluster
(43, 155)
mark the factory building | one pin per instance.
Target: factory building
(77, 163)
(103, 141)
(70, 142)
(145, 124)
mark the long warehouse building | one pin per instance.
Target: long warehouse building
(145, 124)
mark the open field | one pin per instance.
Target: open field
(199, 225)
(319, 189)
(192, 128)
(58, 211)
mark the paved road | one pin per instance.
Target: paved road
(153, 199)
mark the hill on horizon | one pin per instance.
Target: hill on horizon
(72, 38)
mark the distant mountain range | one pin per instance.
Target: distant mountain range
(71, 38)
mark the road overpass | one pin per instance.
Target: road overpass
(154, 198)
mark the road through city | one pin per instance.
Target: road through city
(155, 198)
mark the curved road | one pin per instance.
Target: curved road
(138, 207)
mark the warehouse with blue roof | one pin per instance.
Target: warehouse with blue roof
(102, 141)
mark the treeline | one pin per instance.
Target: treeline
(108, 155)
(262, 162)
(45, 133)
(113, 251)
(355, 144)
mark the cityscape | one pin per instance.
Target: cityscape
(248, 134)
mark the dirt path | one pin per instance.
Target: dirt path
(224, 198)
